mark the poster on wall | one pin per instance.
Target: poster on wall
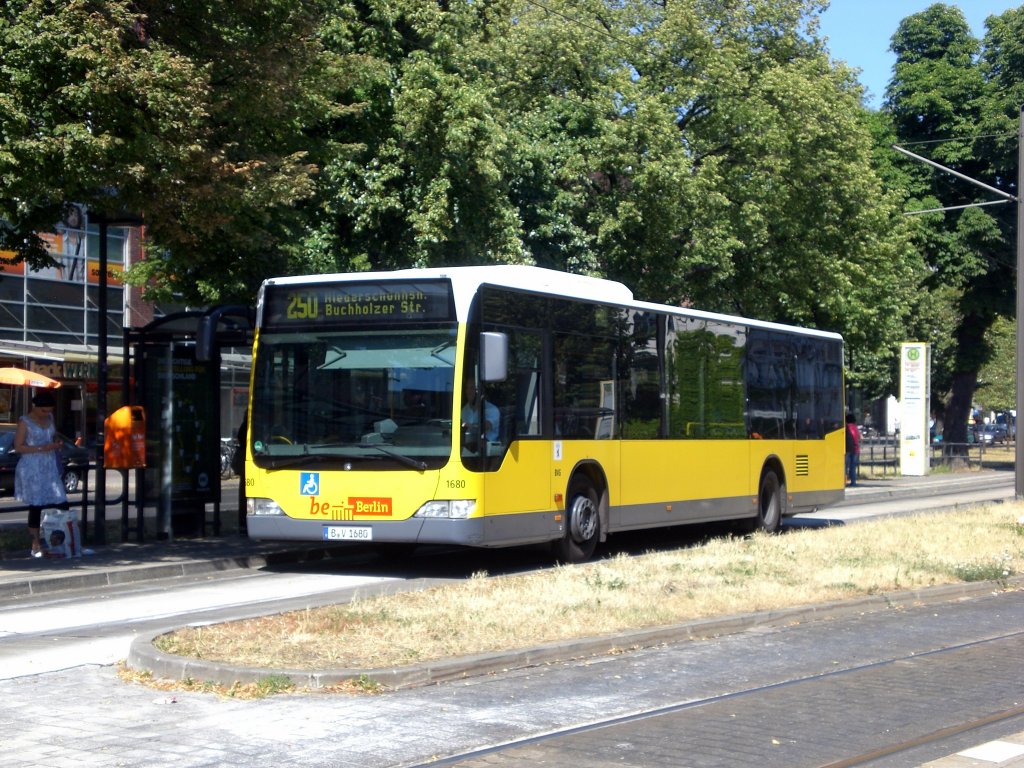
(915, 400)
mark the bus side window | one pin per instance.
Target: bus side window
(518, 396)
(528, 402)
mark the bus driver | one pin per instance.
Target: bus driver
(471, 412)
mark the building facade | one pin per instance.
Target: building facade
(50, 319)
(50, 324)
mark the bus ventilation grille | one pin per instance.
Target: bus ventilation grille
(803, 466)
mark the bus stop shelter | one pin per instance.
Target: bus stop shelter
(173, 371)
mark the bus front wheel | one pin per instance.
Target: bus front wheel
(769, 503)
(582, 524)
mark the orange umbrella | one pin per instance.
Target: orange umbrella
(19, 377)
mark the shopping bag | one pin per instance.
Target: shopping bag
(62, 535)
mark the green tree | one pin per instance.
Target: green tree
(799, 227)
(997, 379)
(702, 152)
(191, 114)
(85, 107)
(735, 173)
(939, 94)
(474, 139)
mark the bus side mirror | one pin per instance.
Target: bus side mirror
(493, 356)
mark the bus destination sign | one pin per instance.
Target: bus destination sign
(351, 303)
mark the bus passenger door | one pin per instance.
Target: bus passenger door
(521, 482)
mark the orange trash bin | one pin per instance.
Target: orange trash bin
(124, 442)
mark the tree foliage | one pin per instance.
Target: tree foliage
(997, 379)
(86, 107)
(702, 151)
(191, 115)
(949, 99)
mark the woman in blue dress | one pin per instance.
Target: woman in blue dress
(37, 480)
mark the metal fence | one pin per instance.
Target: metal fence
(973, 455)
(880, 455)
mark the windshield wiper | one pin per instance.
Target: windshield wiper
(293, 461)
(407, 460)
(284, 462)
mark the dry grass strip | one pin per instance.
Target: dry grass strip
(720, 577)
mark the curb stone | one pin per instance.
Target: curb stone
(145, 657)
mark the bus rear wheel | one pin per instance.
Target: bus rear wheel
(769, 503)
(582, 524)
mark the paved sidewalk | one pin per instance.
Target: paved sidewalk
(896, 486)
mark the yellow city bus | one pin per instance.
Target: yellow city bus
(511, 405)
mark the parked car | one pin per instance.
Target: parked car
(994, 434)
(74, 462)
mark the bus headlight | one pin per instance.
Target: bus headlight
(269, 507)
(458, 509)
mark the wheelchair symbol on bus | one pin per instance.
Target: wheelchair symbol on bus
(309, 483)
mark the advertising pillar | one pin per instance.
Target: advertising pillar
(915, 400)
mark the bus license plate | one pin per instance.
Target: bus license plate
(347, 533)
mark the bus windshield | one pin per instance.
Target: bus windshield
(379, 399)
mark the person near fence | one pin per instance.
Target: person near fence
(37, 476)
(852, 449)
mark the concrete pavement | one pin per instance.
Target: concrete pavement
(804, 694)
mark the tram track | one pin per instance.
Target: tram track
(536, 746)
(942, 734)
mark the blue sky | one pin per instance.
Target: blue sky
(859, 31)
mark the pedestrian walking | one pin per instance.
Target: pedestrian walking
(37, 480)
(852, 450)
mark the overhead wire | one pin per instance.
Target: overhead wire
(959, 138)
